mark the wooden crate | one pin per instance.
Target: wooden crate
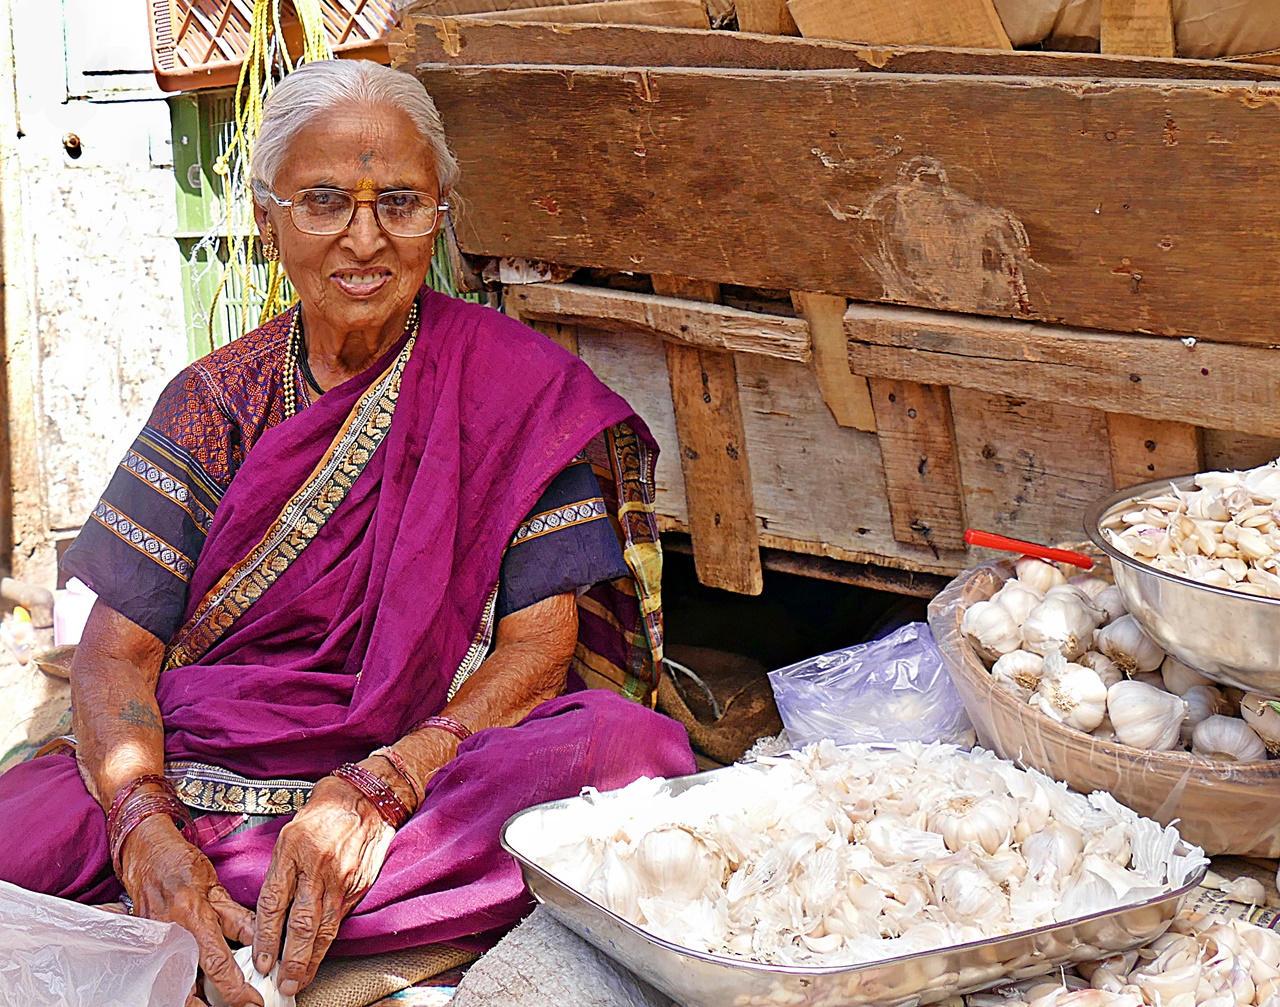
(997, 284)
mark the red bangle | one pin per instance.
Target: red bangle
(401, 767)
(128, 790)
(455, 727)
(132, 813)
(390, 807)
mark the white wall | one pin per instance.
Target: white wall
(93, 311)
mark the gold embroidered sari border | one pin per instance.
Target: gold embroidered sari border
(298, 523)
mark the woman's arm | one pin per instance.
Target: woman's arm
(119, 737)
(330, 854)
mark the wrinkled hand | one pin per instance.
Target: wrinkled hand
(324, 862)
(169, 879)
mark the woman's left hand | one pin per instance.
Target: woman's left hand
(323, 863)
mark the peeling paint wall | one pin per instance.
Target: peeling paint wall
(93, 315)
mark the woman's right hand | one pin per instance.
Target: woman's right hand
(169, 879)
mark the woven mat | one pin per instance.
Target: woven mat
(358, 982)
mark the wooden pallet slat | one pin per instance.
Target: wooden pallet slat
(713, 455)
(1145, 449)
(1138, 27)
(970, 23)
(765, 17)
(847, 395)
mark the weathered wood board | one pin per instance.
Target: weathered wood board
(671, 13)
(1138, 26)
(1029, 469)
(1059, 200)
(488, 42)
(973, 23)
(769, 17)
(847, 395)
(1145, 449)
(1205, 384)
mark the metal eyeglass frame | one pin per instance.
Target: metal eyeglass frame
(361, 195)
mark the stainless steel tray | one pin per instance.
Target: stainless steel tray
(698, 979)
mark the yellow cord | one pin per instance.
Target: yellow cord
(266, 60)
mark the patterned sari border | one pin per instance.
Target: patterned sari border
(154, 548)
(299, 523)
(212, 788)
(169, 487)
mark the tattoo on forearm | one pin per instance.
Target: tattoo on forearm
(140, 715)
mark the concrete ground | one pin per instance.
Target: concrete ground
(33, 707)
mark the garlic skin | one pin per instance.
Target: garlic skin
(1103, 665)
(991, 629)
(1125, 643)
(1111, 601)
(1063, 622)
(1202, 701)
(1263, 716)
(1178, 677)
(1071, 694)
(1090, 585)
(1019, 672)
(1037, 574)
(1017, 599)
(1144, 716)
(1227, 739)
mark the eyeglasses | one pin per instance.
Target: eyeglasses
(402, 213)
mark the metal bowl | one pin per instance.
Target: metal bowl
(698, 979)
(1230, 637)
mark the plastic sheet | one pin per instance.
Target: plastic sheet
(893, 689)
(55, 953)
(1220, 806)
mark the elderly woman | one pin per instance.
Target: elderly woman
(351, 575)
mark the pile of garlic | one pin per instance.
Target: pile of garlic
(1225, 533)
(840, 856)
(1201, 961)
(1070, 649)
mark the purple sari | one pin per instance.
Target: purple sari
(346, 586)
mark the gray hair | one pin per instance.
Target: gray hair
(315, 88)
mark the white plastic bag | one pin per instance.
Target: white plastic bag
(893, 689)
(55, 953)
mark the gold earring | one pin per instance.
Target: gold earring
(269, 250)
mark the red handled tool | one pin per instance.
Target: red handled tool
(991, 541)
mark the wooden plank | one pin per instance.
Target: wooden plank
(713, 454)
(1029, 469)
(712, 326)
(1205, 384)
(1138, 27)
(913, 423)
(766, 17)
(563, 335)
(498, 42)
(1228, 449)
(847, 395)
(443, 8)
(971, 23)
(669, 13)
(1144, 449)
(1090, 210)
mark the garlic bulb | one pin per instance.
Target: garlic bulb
(1071, 694)
(1125, 643)
(987, 822)
(1263, 715)
(1111, 601)
(1017, 599)
(1063, 623)
(1089, 585)
(1144, 716)
(991, 629)
(673, 863)
(1227, 739)
(1202, 701)
(1178, 677)
(1037, 574)
(1103, 665)
(1018, 672)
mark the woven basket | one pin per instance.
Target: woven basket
(1222, 807)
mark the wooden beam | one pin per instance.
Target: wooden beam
(1205, 384)
(1138, 27)
(766, 17)
(917, 443)
(847, 395)
(1090, 210)
(708, 325)
(713, 455)
(971, 23)
(669, 13)
(498, 42)
(444, 8)
(1145, 449)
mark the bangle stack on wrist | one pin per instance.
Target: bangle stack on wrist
(455, 727)
(129, 809)
(402, 770)
(391, 809)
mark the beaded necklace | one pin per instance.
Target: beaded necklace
(296, 356)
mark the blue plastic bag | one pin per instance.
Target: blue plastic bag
(892, 689)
